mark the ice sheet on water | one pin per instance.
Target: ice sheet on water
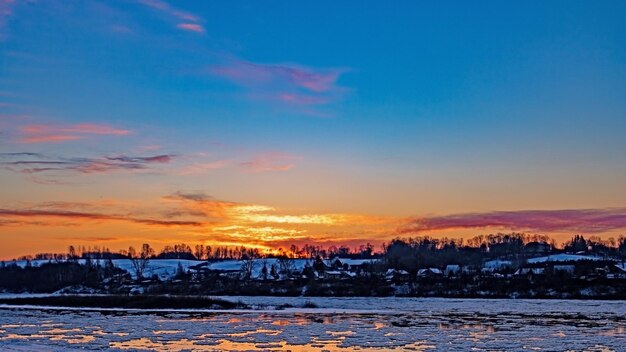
(418, 324)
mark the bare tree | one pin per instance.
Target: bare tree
(286, 265)
(140, 260)
(264, 270)
(71, 255)
(249, 262)
(199, 253)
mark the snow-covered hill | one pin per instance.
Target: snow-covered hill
(562, 258)
(166, 268)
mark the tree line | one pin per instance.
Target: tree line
(425, 249)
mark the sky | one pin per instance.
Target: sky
(272, 123)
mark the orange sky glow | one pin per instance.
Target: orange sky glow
(224, 124)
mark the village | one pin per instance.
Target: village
(578, 266)
(503, 266)
(562, 275)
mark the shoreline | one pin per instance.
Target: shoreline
(139, 302)
(384, 306)
(237, 299)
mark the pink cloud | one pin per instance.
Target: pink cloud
(570, 220)
(267, 162)
(96, 129)
(190, 22)
(203, 168)
(248, 73)
(193, 27)
(156, 4)
(286, 85)
(186, 16)
(42, 133)
(302, 99)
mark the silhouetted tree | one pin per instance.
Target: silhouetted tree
(576, 244)
(140, 260)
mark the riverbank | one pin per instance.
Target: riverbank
(125, 302)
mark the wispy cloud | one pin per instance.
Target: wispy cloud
(214, 209)
(162, 159)
(290, 85)
(35, 214)
(253, 74)
(267, 162)
(192, 27)
(569, 220)
(196, 196)
(47, 133)
(260, 216)
(199, 168)
(198, 215)
(184, 20)
(45, 169)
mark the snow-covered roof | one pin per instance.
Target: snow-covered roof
(621, 267)
(497, 264)
(391, 272)
(524, 271)
(562, 257)
(425, 271)
(356, 262)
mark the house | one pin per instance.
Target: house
(615, 272)
(336, 264)
(397, 275)
(429, 272)
(338, 274)
(564, 268)
(333, 274)
(358, 265)
(496, 265)
(529, 271)
(452, 269)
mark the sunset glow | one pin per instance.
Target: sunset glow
(270, 124)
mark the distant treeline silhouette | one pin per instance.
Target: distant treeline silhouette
(421, 266)
(206, 252)
(428, 249)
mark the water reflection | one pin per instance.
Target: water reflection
(480, 327)
(226, 345)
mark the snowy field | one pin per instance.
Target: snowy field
(339, 324)
(166, 268)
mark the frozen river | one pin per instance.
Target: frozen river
(337, 324)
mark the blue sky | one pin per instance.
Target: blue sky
(402, 109)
